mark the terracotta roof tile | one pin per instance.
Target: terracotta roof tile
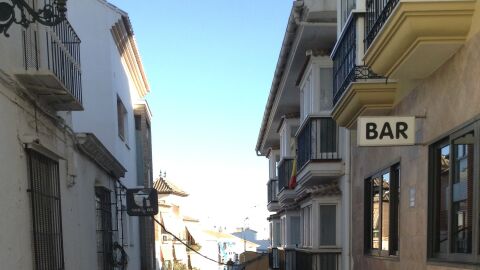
(165, 187)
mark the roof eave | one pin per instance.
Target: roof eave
(290, 35)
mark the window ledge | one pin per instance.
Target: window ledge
(445, 262)
(380, 257)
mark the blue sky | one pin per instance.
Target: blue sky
(210, 65)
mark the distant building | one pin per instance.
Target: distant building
(251, 235)
(169, 249)
(230, 247)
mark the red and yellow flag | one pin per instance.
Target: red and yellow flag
(293, 178)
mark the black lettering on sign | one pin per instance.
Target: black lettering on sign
(371, 131)
(386, 131)
(401, 128)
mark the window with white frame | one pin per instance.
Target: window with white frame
(328, 224)
(294, 230)
(346, 7)
(307, 226)
(306, 97)
(276, 234)
(282, 231)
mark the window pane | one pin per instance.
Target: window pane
(328, 221)
(462, 194)
(442, 160)
(394, 214)
(277, 233)
(376, 213)
(306, 226)
(295, 230)
(385, 210)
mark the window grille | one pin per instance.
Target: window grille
(104, 228)
(46, 212)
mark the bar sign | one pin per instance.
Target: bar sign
(386, 131)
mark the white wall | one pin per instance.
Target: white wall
(77, 196)
(104, 77)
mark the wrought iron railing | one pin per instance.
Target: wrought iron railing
(377, 13)
(322, 260)
(345, 68)
(317, 141)
(59, 52)
(64, 57)
(46, 211)
(272, 190)
(284, 173)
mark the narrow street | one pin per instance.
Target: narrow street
(240, 135)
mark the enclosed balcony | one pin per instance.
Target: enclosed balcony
(411, 39)
(272, 188)
(52, 66)
(356, 89)
(285, 168)
(318, 151)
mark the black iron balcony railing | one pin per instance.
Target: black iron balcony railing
(274, 258)
(345, 68)
(284, 173)
(317, 141)
(56, 49)
(293, 259)
(64, 57)
(272, 190)
(377, 13)
(323, 260)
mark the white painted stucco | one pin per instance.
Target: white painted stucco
(104, 77)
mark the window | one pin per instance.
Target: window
(104, 228)
(306, 222)
(46, 211)
(294, 230)
(306, 97)
(451, 210)
(282, 231)
(328, 225)
(276, 234)
(347, 7)
(122, 120)
(382, 193)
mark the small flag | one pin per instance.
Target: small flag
(293, 178)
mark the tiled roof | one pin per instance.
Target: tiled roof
(165, 187)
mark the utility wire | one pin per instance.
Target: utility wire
(185, 244)
(204, 256)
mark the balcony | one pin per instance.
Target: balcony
(285, 194)
(272, 187)
(356, 89)
(318, 151)
(411, 39)
(317, 260)
(323, 259)
(52, 66)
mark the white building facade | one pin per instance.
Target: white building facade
(70, 98)
(309, 182)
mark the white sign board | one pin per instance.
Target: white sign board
(386, 130)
